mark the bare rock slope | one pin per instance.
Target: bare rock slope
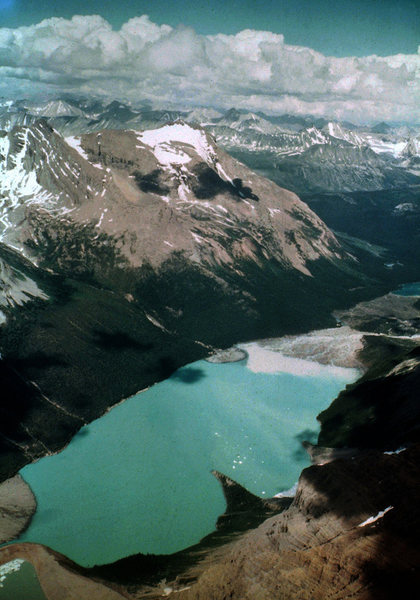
(149, 194)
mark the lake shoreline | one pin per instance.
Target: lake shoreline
(192, 373)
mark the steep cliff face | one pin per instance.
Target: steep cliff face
(382, 409)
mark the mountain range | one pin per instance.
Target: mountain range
(304, 154)
(134, 240)
(126, 243)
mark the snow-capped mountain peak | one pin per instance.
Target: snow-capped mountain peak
(336, 130)
(56, 108)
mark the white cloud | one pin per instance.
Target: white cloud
(252, 69)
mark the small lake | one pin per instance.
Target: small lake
(408, 289)
(139, 478)
(19, 581)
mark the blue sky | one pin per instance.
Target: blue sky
(333, 27)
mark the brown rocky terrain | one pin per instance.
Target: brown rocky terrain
(334, 541)
(17, 505)
(149, 195)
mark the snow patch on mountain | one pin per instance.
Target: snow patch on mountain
(375, 518)
(339, 132)
(35, 169)
(74, 142)
(314, 136)
(16, 289)
(222, 173)
(412, 148)
(163, 143)
(384, 146)
(16, 183)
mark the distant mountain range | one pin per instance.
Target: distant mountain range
(304, 154)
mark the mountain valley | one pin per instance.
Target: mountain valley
(134, 241)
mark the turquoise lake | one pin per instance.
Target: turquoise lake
(19, 581)
(409, 289)
(139, 478)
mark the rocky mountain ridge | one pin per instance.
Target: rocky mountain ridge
(106, 181)
(274, 146)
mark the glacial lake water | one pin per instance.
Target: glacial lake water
(19, 581)
(139, 478)
(409, 289)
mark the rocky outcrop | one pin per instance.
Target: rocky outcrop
(233, 354)
(332, 542)
(17, 505)
(382, 409)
